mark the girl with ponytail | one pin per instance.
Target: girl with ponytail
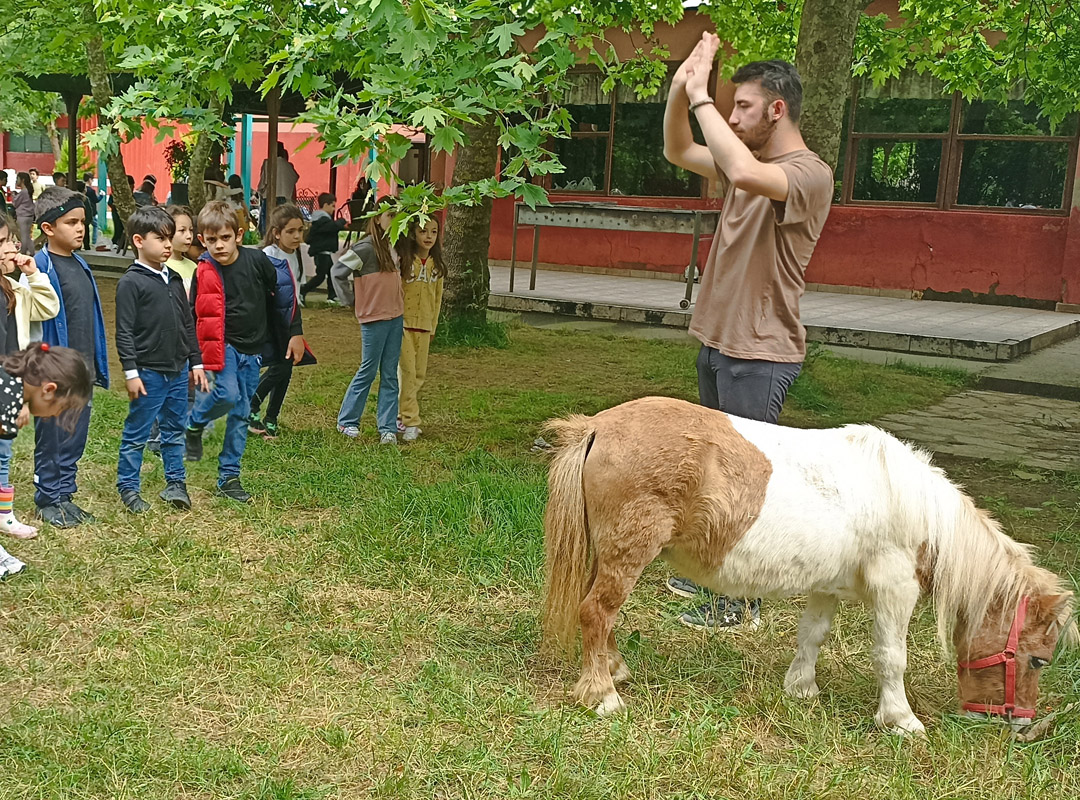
(46, 382)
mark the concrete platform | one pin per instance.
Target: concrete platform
(920, 327)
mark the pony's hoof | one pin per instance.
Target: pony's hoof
(909, 726)
(611, 704)
(621, 675)
(801, 690)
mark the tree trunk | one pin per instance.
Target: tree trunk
(54, 140)
(468, 231)
(823, 58)
(200, 160)
(97, 70)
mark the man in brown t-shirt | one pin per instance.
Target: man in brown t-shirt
(777, 195)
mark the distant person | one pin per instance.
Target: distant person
(35, 182)
(235, 195)
(285, 182)
(3, 194)
(95, 201)
(322, 241)
(59, 179)
(23, 203)
(80, 187)
(120, 243)
(144, 195)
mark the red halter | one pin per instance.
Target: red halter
(1008, 658)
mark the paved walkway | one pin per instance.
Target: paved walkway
(923, 327)
(1033, 431)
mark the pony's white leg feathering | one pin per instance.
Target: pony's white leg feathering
(893, 599)
(801, 678)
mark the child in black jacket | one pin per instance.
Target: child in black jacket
(155, 339)
(322, 240)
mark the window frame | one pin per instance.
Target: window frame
(703, 194)
(951, 164)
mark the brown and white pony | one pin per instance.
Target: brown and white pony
(757, 510)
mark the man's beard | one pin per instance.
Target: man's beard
(757, 137)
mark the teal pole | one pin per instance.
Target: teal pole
(245, 155)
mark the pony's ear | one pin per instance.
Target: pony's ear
(1058, 609)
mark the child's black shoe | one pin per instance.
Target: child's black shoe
(193, 444)
(232, 489)
(176, 495)
(134, 502)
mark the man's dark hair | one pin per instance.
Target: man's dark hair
(151, 219)
(326, 197)
(779, 80)
(59, 176)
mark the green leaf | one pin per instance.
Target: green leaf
(446, 139)
(503, 35)
(533, 195)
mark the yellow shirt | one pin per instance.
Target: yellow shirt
(184, 267)
(423, 296)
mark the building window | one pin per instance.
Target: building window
(31, 142)
(910, 143)
(616, 145)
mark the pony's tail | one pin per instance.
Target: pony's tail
(567, 547)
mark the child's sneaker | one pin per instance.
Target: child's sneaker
(270, 430)
(134, 501)
(400, 426)
(193, 444)
(232, 489)
(349, 430)
(256, 425)
(9, 565)
(411, 434)
(388, 438)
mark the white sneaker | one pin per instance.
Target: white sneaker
(412, 433)
(349, 430)
(388, 438)
(12, 527)
(9, 565)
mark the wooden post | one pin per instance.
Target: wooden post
(273, 109)
(333, 178)
(72, 100)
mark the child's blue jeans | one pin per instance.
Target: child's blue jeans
(165, 401)
(231, 394)
(380, 352)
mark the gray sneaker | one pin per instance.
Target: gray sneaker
(723, 613)
(683, 587)
(388, 438)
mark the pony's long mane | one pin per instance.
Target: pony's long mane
(974, 565)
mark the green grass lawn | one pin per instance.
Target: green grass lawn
(368, 628)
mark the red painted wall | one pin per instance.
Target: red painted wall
(946, 251)
(881, 248)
